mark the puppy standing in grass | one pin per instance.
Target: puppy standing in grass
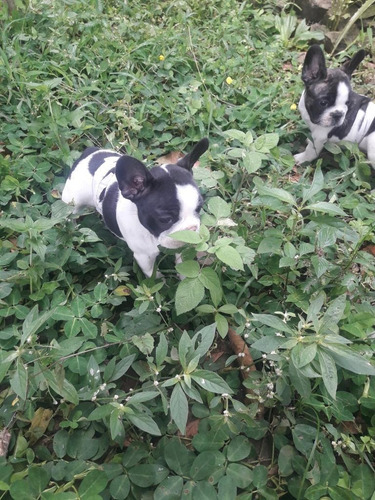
(141, 206)
(330, 108)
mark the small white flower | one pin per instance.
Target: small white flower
(93, 398)
(261, 400)
(273, 352)
(128, 398)
(270, 394)
(247, 325)
(151, 297)
(270, 386)
(29, 339)
(225, 395)
(278, 371)
(226, 413)
(103, 386)
(246, 336)
(156, 383)
(115, 397)
(241, 354)
(178, 377)
(264, 356)
(278, 334)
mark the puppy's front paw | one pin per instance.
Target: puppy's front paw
(300, 158)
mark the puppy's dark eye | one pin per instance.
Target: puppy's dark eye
(323, 103)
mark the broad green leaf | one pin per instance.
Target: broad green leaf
(184, 346)
(252, 161)
(266, 142)
(299, 381)
(161, 350)
(179, 459)
(273, 322)
(188, 268)
(279, 194)
(210, 280)
(190, 292)
(100, 412)
(238, 449)
(228, 309)
(329, 372)
(350, 360)
(260, 476)
(285, 459)
(316, 186)
(231, 257)
(270, 245)
(144, 422)
(33, 321)
(241, 475)
(210, 381)
(303, 354)
(219, 207)
(179, 408)
(120, 487)
(227, 488)
(203, 339)
(326, 208)
(60, 443)
(221, 324)
(122, 367)
(363, 484)
(333, 315)
(315, 307)
(146, 475)
(304, 437)
(100, 291)
(19, 381)
(169, 489)
(186, 237)
(145, 343)
(116, 425)
(21, 491)
(38, 480)
(203, 466)
(235, 134)
(92, 484)
(268, 343)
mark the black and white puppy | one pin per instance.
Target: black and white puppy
(141, 206)
(331, 109)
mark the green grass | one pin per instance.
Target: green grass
(117, 386)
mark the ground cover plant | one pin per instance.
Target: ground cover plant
(251, 377)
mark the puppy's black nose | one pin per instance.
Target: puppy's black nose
(337, 115)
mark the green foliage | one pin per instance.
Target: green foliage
(117, 386)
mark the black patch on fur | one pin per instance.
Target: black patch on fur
(87, 152)
(112, 171)
(102, 194)
(109, 209)
(97, 160)
(356, 103)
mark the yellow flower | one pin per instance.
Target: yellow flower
(229, 80)
(293, 107)
(161, 57)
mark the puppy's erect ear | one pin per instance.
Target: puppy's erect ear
(314, 67)
(133, 178)
(194, 155)
(349, 66)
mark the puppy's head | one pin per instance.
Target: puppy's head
(327, 91)
(167, 198)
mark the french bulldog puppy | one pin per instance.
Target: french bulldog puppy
(331, 109)
(141, 206)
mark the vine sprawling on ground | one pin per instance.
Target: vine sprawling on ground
(117, 386)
